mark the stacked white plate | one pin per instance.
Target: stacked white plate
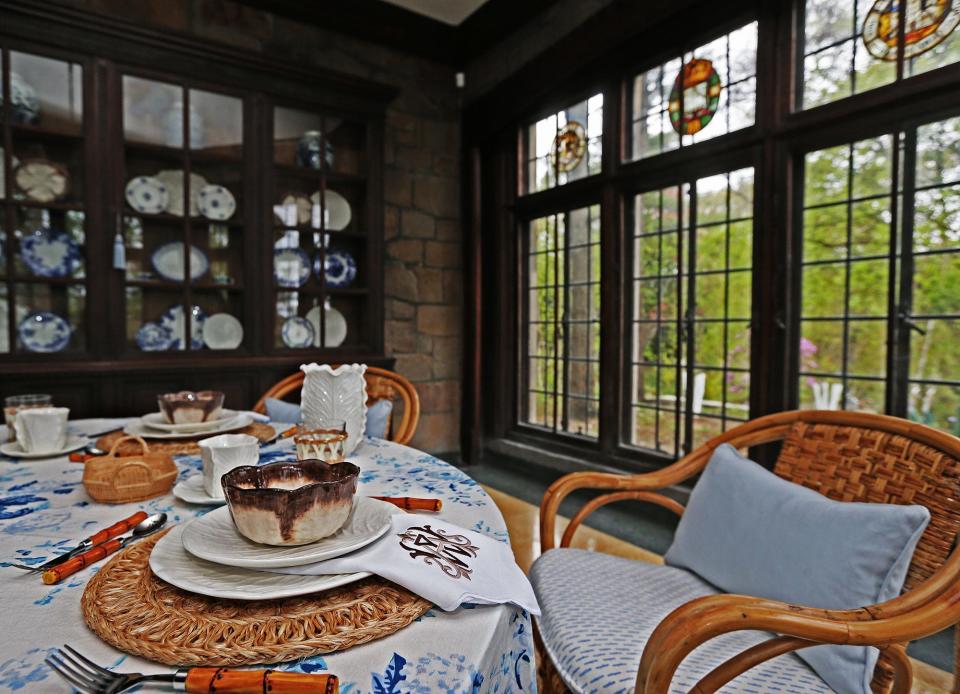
(155, 426)
(209, 556)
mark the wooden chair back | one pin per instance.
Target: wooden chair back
(381, 385)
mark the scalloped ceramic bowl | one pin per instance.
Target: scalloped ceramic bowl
(290, 503)
(187, 407)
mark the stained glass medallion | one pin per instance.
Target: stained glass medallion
(928, 23)
(695, 97)
(569, 146)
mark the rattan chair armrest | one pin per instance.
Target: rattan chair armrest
(695, 623)
(644, 483)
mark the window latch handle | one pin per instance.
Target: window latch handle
(907, 320)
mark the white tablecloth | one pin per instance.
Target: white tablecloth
(44, 509)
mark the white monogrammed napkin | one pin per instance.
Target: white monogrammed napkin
(444, 563)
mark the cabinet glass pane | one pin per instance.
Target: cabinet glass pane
(216, 124)
(152, 112)
(50, 243)
(50, 318)
(45, 92)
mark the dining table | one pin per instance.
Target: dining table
(45, 510)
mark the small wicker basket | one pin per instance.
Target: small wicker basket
(110, 479)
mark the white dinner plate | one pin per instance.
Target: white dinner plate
(214, 537)
(222, 331)
(156, 420)
(216, 203)
(73, 443)
(138, 428)
(171, 562)
(337, 212)
(173, 180)
(147, 195)
(335, 327)
(192, 491)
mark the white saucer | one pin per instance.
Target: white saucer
(214, 537)
(171, 562)
(73, 443)
(156, 420)
(137, 428)
(192, 491)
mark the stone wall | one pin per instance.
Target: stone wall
(422, 183)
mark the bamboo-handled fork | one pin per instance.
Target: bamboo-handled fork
(88, 677)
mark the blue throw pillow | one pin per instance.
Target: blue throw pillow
(750, 532)
(378, 415)
(378, 419)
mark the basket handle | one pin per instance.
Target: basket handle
(132, 463)
(113, 450)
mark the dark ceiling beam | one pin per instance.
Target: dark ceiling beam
(401, 29)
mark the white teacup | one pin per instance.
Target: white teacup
(223, 453)
(42, 429)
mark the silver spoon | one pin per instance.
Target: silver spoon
(147, 526)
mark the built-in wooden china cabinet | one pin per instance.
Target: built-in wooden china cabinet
(151, 183)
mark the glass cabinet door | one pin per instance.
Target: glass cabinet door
(43, 246)
(319, 231)
(182, 227)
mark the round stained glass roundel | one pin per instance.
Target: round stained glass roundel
(695, 97)
(929, 22)
(569, 146)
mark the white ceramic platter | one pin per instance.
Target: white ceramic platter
(222, 331)
(173, 180)
(73, 443)
(336, 210)
(171, 562)
(138, 428)
(191, 490)
(156, 420)
(214, 537)
(168, 262)
(336, 326)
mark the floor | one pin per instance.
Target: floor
(639, 532)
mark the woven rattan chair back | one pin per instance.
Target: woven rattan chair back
(381, 385)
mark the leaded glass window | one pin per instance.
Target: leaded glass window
(852, 46)
(561, 342)
(565, 145)
(701, 94)
(691, 311)
(872, 207)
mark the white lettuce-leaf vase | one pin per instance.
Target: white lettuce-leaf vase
(339, 393)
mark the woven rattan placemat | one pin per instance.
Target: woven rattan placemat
(136, 612)
(185, 446)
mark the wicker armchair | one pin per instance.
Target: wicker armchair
(381, 385)
(846, 456)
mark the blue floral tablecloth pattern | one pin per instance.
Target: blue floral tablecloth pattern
(44, 509)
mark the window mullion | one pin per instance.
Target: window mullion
(688, 321)
(902, 305)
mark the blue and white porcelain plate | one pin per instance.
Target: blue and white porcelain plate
(147, 195)
(340, 269)
(173, 320)
(216, 203)
(50, 253)
(168, 262)
(291, 267)
(297, 332)
(153, 337)
(44, 331)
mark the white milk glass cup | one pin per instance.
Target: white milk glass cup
(42, 429)
(221, 454)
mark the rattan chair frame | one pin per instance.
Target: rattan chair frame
(382, 384)
(929, 606)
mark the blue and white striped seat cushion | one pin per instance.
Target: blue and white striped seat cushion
(599, 611)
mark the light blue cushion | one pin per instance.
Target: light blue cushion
(748, 531)
(378, 418)
(280, 411)
(378, 415)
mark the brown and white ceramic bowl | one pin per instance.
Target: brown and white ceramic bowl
(290, 503)
(187, 407)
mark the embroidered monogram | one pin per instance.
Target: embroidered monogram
(448, 552)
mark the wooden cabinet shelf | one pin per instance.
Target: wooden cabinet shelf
(108, 118)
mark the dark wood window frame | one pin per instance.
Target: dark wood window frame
(775, 146)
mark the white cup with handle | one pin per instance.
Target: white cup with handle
(223, 453)
(42, 429)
